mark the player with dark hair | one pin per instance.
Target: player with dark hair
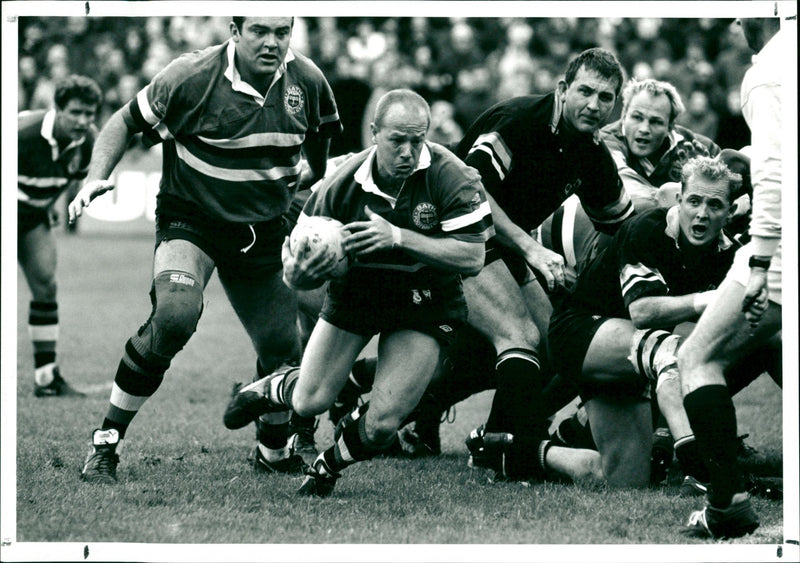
(233, 119)
(54, 148)
(746, 313)
(533, 152)
(417, 219)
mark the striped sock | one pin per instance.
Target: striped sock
(43, 331)
(137, 379)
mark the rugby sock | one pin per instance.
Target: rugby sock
(362, 375)
(713, 419)
(43, 331)
(689, 457)
(350, 447)
(518, 401)
(653, 351)
(137, 379)
(272, 428)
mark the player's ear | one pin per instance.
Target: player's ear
(561, 89)
(374, 129)
(234, 32)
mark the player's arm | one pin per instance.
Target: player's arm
(110, 146)
(315, 149)
(446, 253)
(548, 263)
(665, 311)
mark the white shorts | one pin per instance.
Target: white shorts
(740, 271)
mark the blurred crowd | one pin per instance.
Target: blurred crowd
(460, 65)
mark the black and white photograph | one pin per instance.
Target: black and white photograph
(584, 201)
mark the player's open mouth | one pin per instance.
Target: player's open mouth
(699, 231)
(269, 59)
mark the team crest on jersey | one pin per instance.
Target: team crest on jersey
(425, 216)
(293, 99)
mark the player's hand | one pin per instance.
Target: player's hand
(368, 236)
(88, 192)
(549, 267)
(756, 297)
(307, 267)
(687, 150)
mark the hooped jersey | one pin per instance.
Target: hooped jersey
(530, 164)
(645, 259)
(43, 171)
(229, 152)
(441, 198)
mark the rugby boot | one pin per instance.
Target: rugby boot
(737, 520)
(57, 387)
(319, 481)
(292, 465)
(101, 464)
(485, 449)
(301, 432)
(661, 455)
(251, 401)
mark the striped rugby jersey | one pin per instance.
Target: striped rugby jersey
(228, 151)
(44, 171)
(644, 259)
(530, 165)
(441, 198)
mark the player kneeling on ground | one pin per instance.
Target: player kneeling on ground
(416, 220)
(666, 263)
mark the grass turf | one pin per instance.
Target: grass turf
(184, 479)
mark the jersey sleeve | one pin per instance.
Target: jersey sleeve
(466, 214)
(639, 275)
(149, 109)
(605, 200)
(490, 154)
(324, 115)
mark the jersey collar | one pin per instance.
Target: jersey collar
(364, 173)
(674, 228)
(48, 130)
(558, 109)
(239, 85)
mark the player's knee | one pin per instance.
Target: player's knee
(311, 404)
(177, 306)
(44, 288)
(653, 351)
(381, 429)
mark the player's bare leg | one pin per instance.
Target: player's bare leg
(180, 273)
(722, 336)
(36, 254)
(497, 309)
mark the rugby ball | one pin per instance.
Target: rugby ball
(316, 232)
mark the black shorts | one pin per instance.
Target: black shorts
(570, 334)
(368, 309)
(28, 218)
(245, 251)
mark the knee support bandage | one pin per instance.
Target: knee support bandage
(177, 299)
(652, 351)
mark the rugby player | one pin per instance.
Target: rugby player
(417, 219)
(533, 152)
(54, 147)
(746, 313)
(233, 119)
(658, 271)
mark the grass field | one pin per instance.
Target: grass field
(184, 480)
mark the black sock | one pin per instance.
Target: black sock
(688, 454)
(518, 402)
(713, 419)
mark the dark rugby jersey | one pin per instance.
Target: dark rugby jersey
(442, 198)
(44, 171)
(228, 151)
(644, 259)
(530, 164)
